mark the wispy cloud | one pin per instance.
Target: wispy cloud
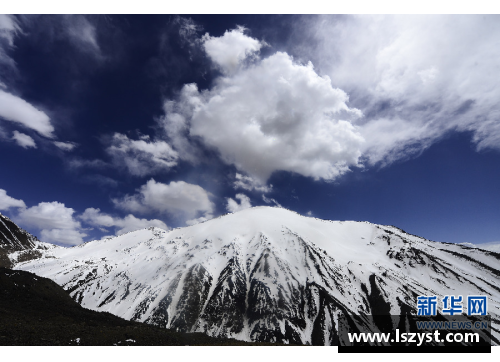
(141, 157)
(16, 109)
(9, 28)
(23, 140)
(83, 163)
(270, 201)
(250, 184)
(233, 205)
(83, 33)
(65, 146)
(414, 77)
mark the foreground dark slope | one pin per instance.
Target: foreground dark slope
(35, 311)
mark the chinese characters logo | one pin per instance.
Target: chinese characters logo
(452, 305)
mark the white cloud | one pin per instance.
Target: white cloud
(141, 157)
(7, 202)
(49, 215)
(24, 140)
(229, 50)
(177, 198)
(275, 115)
(65, 146)
(250, 184)
(55, 221)
(270, 200)
(233, 206)
(15, 109)
(415, 78)
(95, 217)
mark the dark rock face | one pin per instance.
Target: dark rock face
(197, 284)
(159, 316)
(13, 238)
(227, 303)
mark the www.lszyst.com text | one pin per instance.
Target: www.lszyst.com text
(417, 338)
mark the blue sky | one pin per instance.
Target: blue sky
(113, 123)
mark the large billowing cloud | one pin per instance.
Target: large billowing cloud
(141, 157)
(55, 221)
(95, 217)
(415, 78)
(410, 79)
(275, 115)
(6, 202)
(15, 109)
(177, 198)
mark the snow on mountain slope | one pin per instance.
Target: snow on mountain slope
(493, 246)
(268, 274)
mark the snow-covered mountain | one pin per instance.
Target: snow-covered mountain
(268, 274)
